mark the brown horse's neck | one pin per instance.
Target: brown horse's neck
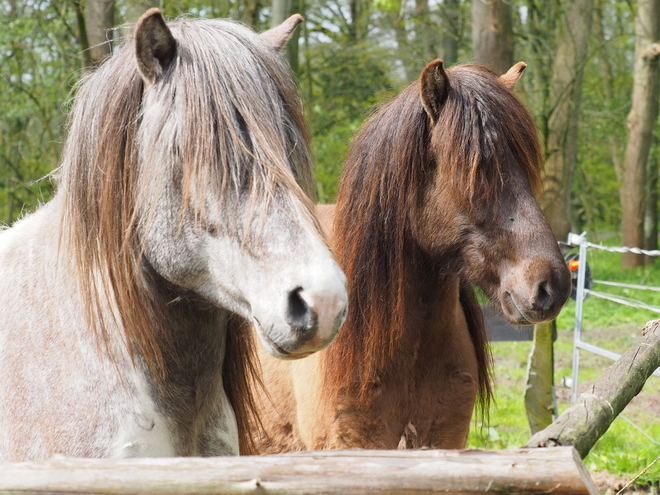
(429, 289)
(432, 308)
(439, 312)
(442, 307)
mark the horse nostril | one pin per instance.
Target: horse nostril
(543, 299)
(299, 315)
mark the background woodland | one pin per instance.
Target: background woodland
(591, 83)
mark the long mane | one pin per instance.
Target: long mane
(213, 114)
(383, 178)
(386, 164)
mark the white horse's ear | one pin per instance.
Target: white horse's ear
(434, 88)
(278, 36)
(155, 46)
(510, 79)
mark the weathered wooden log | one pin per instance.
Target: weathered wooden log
(582, 424)
(557, 471)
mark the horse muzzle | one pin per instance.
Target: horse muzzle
(535, 292)
(311, 322)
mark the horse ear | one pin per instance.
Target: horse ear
(510, 79)
(155, 46)
(278, 36)
(434, 88)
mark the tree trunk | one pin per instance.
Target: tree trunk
(582, 424)
(293, 46)
(608, 85)
(651, 209)
(539, 392)
(640, 122)
(99, 21)
(425, 32)
(562, 132)
(397, 19)
(85, 56)
(492, 34)
(355, 16)
(281, 11)
(252, 10)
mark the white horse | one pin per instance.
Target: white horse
(182, 217)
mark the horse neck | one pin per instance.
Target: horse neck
(431, 302)
(431, 299)
(195, 332)
(209, 358)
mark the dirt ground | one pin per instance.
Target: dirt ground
(610, 484)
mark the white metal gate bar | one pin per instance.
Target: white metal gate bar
(578, 344)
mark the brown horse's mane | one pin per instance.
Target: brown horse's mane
(389, 162)
(221, 123)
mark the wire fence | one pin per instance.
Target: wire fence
(582, 244)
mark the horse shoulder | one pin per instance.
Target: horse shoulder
(326, 216)
(277, 405)
(292, 412)
(53, 373)
(313, 414)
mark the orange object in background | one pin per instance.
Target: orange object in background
(573, 265)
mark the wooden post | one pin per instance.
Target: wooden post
(557, 471)
(582, 424)
(539, 393)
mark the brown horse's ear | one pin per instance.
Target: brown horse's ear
(278, 36)
(434, 89)
(155, 46)
(510, 79)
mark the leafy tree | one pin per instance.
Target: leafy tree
(344, 83)
(39, 63)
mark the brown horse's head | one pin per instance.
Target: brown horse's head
(478, 199)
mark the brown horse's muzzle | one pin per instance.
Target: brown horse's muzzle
(535, 290)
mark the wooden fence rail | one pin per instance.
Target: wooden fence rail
(555, 470)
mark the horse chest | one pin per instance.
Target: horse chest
(164, 427)
(144, 435)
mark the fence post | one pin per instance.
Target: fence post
(539, 392)
(579, 240)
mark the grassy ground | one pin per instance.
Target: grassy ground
(633, 440)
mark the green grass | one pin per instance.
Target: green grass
(623, 450)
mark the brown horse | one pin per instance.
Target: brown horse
(436, 195)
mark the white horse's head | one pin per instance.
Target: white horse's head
(201, 166)
(223, 163)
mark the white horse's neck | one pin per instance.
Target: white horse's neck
(57, 378)
(191, 395)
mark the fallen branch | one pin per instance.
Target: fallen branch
(582, 424)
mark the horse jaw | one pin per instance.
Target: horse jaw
(519, 264)
(296, 298)
(286, 283)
